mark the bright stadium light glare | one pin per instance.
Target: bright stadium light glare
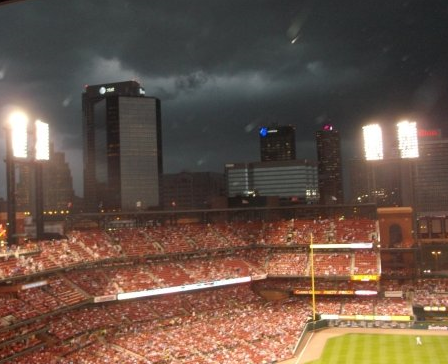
(407, 139)
(373, 142)
(18, 122)
(42, 141)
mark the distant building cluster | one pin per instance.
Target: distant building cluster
(123, 166)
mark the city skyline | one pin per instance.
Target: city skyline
(222, 69)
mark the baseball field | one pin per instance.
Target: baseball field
(373, 346)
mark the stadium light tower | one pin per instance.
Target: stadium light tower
(404, 150)
(16, 147)
(373, 142)
(41, 135)
(373, 150)
(407, 139)
(18, 150)
(407, 136)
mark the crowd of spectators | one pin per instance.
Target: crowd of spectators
(239, 325)
(81, 247)
(431, 292)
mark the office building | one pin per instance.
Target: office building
(57, 185)
(378, 181)
(25, 188)
(192, 190)
(329, 166)
(431, 174)
(295, 180)
(58, 192)
(277, 143)
(122, 148)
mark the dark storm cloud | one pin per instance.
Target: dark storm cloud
(222, 68)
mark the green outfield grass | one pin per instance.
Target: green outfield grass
(384, 349)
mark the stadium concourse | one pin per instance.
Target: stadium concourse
(191, 293)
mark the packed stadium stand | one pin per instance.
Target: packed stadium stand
(233, 292)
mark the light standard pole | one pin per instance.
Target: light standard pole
(17, 150)
(373, 151)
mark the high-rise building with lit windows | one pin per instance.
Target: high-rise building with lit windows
(122, 148)
(329, 166)
(295, 180)
(277, 143)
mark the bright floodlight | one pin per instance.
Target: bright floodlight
(42, 141)
(373, 142)
(407, 139)
(18, 122)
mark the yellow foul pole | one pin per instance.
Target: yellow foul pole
(313, 294)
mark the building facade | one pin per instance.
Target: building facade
(378, 181)
(192, 190)
(277, 143)
(57, 185)
(295, 180)
(58, 192)
(329, 165)
(122, 148)
(431, 174)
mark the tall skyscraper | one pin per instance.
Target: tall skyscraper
(277, 143)
(122, 147)
(329, 166)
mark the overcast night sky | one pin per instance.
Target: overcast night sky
(222, 68)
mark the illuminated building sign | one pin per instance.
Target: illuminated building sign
(104, 90)
(264, 131)
(323, 292)
(365, 277)
(434, 133)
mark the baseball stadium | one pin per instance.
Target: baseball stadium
(257, 286)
